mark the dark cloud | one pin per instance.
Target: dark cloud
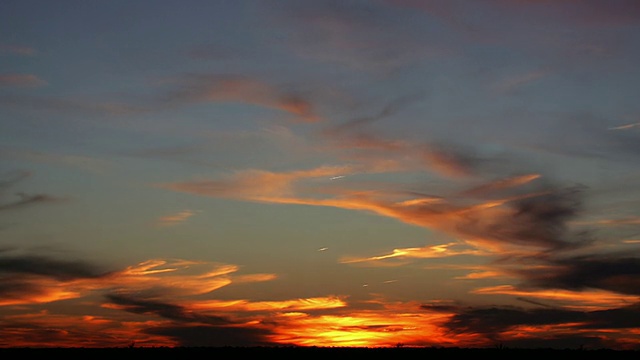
(165, 310)
(11, 179)
(192, 328)
(494, 322)
(620, 274)
(540, 220)
(448, 159)
(26, 200)
(21, 265)
(12, 288)
(23, 278)
(391, 108)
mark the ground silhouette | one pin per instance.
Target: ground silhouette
(389, 352)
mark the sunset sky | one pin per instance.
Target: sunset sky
(327, 173)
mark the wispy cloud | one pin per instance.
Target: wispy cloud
(533, 218)
(625, 127)
(20, 50)
(71, 105)
(88, 163)
(24, 199)
(359, 140)
(427, 252)
(175, 219)
(354, 35)
(515, 82)
(202, 88)
(545, 328)
(258, 185)
(582, 300)
(501, 184)
(167, 297)
(21, 80)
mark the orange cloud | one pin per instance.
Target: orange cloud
(258, 185)
(588, 300)
(48, 330)
(485, 224)
(435, 251)
(288, 305)
(43, 291)
(367, 329)
(625, 127)
(502, 184)
(175, 219)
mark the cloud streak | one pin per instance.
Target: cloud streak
(205, 88)
(175, 219)
(21, 80)
(25, 200)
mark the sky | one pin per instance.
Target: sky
(320, 173)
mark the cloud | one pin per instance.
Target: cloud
(358, 140)
(616, 273)
(359, 35)
(35, 279)
(162, 309)
(531, 219)
(39, 265)
(505, 326)
(12, 178)
(515, 82)
(167, 293)
(168, 313)
(257, 185)
(21, 80)
(585, 299)
(70, 105)
(449, 161)
(391, 108)
(500, 185)
(427, 252)
(175, 219)
(20, 50)
(87, 163)
(204, 88)
(625, 127)
(27, 200)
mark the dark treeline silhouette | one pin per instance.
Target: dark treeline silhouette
(390, 352)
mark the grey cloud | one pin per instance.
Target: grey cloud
(619, 274)
(192, 328)
(13, 178)
(492, 322)
(165, 310)
(26, 200)
(22, 265)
